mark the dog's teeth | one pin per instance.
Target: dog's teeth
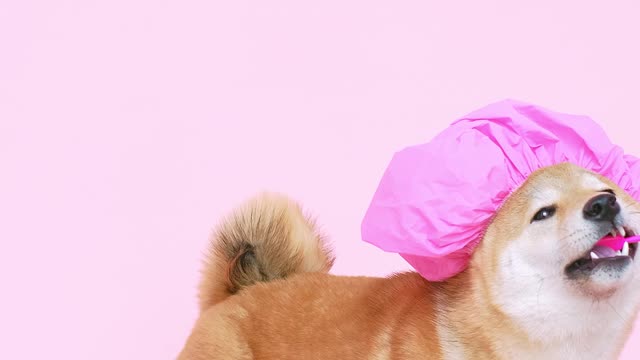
(621, 231)
(594, 256)
(625, 249)
(613, 233)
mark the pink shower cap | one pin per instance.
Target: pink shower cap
(435, 199)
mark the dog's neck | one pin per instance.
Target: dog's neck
(474, 318)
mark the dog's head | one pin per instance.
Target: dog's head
(539, 260)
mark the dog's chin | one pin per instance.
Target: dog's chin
(605, 279)
(602, 271)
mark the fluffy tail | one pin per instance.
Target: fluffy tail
(267, 238)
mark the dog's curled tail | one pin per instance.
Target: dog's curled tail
(267, 238)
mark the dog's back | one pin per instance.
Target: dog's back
(265, 294)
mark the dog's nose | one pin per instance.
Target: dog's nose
(603, 207)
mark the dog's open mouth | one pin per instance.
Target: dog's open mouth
(617, 247)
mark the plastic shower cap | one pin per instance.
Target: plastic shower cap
(435, 199)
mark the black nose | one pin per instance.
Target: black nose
(603, 207)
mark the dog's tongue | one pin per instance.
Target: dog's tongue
(616, 243)
(604, 251)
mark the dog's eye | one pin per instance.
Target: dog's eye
(544, 213)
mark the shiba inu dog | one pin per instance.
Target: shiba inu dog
(537, 286)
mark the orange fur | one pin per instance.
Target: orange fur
(266, 294)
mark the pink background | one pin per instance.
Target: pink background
(127, 128)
